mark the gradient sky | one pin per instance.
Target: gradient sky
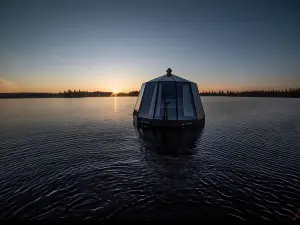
(117, 45)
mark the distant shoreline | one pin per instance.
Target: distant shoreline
(136, 96)
(287, 93)
(244, 96)
(236, 96)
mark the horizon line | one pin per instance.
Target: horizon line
(203, 91)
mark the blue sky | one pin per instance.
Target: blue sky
(116, 45)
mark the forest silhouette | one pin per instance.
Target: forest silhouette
(287, 93)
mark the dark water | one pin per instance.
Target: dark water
(83, 159)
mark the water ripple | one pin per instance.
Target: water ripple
(83, 159)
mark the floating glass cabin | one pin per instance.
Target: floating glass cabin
(168, 101)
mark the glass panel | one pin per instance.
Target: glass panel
(187, 101)
(166, 101)
(158, 103)
(139, 99)
(198, 103)
(186, 109)
(151, 110)
(146, 102)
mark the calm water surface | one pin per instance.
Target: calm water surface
(83, 159)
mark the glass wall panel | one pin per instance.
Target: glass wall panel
(153, 101)
(147, 99)
(166, 101)
(139, 99)
(198, 103)
(186, 109)
(158, 102)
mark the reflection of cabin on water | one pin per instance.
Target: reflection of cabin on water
(169, 100)
(171, 141)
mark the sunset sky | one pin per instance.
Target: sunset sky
(114, 45)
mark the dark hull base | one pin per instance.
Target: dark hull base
(147, 123)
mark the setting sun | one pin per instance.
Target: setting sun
(115, 92)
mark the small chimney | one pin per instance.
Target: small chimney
(169, 72)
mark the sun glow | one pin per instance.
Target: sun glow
(115, 92)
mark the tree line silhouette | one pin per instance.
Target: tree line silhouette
(66, 94)
(287, 93)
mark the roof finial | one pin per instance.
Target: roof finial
(169, 72)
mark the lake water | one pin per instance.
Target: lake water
(83, 159)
